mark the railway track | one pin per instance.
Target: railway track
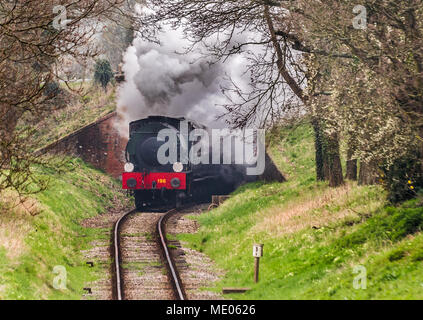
(156, 249)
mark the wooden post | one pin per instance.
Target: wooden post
(257, 253)
(256, 269)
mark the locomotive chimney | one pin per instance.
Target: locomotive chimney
(120, 75)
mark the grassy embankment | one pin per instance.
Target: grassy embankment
(85, 105)
(32, 246)
(315, 238)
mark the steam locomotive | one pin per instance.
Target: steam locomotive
(155, 183)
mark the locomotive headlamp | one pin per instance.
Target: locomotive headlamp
(129, 167)
(178, 167)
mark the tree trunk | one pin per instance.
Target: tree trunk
(318, 145)
(334, 166)
(368, 174)
(351, 170)
(351, 166)
(326, 169)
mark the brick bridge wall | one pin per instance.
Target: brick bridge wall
(98, 144)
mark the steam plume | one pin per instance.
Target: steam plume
(162, 81)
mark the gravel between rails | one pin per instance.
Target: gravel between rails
(196, 270)
(100, 254)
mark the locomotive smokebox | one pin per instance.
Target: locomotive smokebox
(149, 150)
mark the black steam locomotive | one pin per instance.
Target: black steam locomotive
(155, 182)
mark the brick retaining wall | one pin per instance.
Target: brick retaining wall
(99, 144)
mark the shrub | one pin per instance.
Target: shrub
(391, 223)
(403, 179)
(52, 89)
(406, 221)
(103, 73)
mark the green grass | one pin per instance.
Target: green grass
(77, 191)
(317, 252)
(56, 236)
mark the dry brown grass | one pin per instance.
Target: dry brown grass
(312, 211)
(15, 222)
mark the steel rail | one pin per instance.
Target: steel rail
(173, 271)
(118, 273)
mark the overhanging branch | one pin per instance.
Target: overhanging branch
(297, 45)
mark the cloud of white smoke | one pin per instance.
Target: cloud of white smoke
(160, 80)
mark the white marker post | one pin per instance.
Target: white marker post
(257, 254)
